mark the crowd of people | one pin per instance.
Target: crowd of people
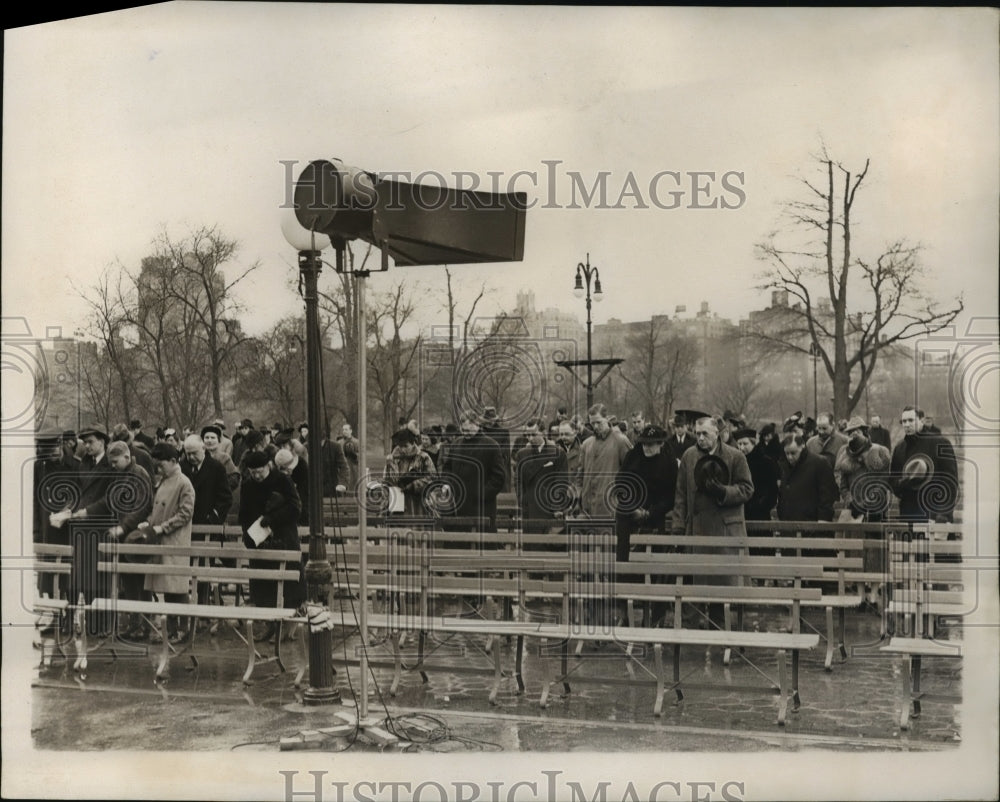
(702, 474)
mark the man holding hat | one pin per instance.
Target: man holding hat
(923, 472)
(713, 484)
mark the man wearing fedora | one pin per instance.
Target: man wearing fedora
(923, 472)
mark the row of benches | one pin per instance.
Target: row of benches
(417, 571)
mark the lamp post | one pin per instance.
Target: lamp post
(814, 353)
(584, 274)
(318, 571)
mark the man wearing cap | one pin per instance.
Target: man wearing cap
(763, 472)
(923, 472)
(682, 439)
(862, 472)
(541, 480)
(808, 490)
(827, 441)
(94, 477)
(645, 488)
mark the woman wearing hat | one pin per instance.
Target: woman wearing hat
(268, 495)
(645, 488)
(410, 469)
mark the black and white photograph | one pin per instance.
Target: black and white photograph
(497, 403)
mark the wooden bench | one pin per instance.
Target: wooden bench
(200, 565)
(433, 572)
(55, 562)
(927, 587)
(839, 556)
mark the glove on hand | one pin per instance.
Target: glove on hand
(715, 491)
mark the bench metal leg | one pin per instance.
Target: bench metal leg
(251, 651)
(916, 685)
(907, 695)
(782, 687)
(303, 654)
(517, 663)
(796, 701)
(543, 700)
(658, 658)
(727, 614)
(164, 661)
(397, 662)
(80, 637)
(842, 641)
(677, 673)
(497, 674)
(828, 660)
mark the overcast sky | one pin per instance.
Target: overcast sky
(179, 115)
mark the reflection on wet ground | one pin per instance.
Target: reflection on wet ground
(854, 707)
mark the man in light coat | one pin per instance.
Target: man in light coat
(711, 502)
(169, 524)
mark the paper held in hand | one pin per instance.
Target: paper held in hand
(258, 534)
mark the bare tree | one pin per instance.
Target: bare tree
(873, 303)
(201, 287)
(106, 371)
(659, 366)
(270, 375)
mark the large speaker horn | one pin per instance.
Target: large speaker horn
(416, 224)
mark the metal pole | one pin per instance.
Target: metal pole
(815, 385)
(318, 571)
(359, 305)
(590, 357)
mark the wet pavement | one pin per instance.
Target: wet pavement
(205, 707)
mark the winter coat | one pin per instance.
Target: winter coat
(765, 474)
(275, 498)
(829, 448)
(542, 484)
(173, 508)
(476, 467)
(696, 513)
(936, 496)
(863, 477)
(411, 474)
(808, 489)
(212, 493)
(600, 462)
